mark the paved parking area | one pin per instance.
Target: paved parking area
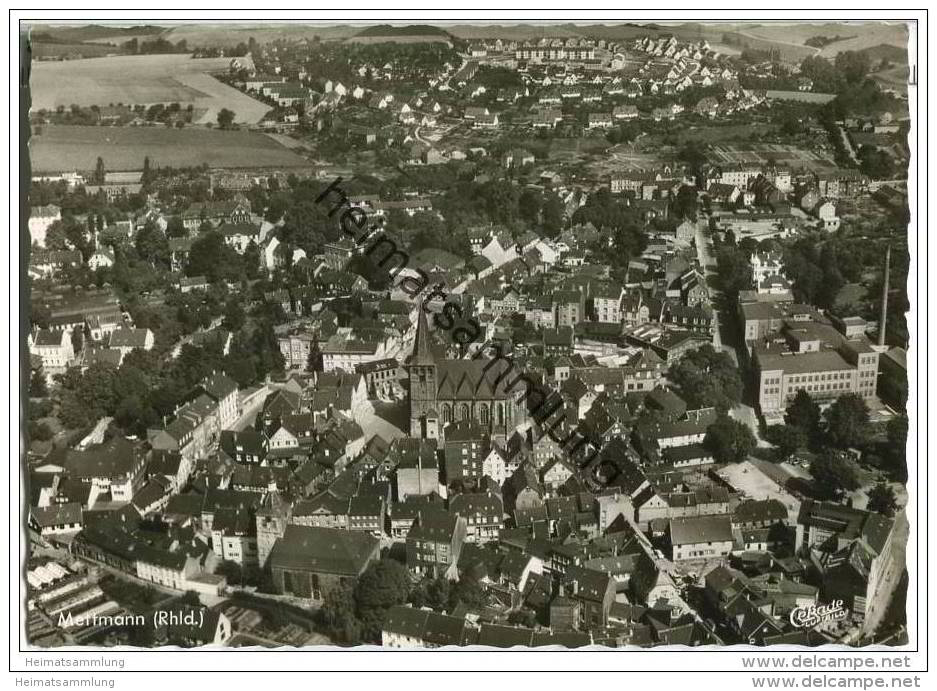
(750, 481)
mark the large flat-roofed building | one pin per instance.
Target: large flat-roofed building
(761, 318)
(814, 357)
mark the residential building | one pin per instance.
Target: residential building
(700, 537)
(434, 542)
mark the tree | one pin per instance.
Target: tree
(37, 385)
(383, 584)
(99, 171)
(152, 245)
(73, 413)
(787, 438)
(694, 155)
(686, 203)
(212, 258)
(78, 340)
(896, 433)
(834, 474)
(231, 570)
(438, 593)
(804, 414)
(225, 118)
(175, 228)
(552, 215)
(467, 592)
(733, 268)
(190, 597)
(853, 65)
(707, 378)
(882, 500)
(233, 315)
(40, 431)
(730, 441)
(847, 421)
(876, 164)
(529, 204)
(241, 368)
(338, 616)
(250, 260)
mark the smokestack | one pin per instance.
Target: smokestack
(884, 316)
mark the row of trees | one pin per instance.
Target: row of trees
(832, 435)
(353, 615)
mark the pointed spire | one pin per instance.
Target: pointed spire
(422, 354)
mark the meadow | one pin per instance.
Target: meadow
(67, 148)
(143, 79)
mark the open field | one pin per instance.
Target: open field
(626, 160)
(221, 35)
(862, 34)
(143, 79)
(65, 148)
(65, 50)
(712, 134)
(761, 153)
(893, 78)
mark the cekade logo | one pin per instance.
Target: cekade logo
(811, 616)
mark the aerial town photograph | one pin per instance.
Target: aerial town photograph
(418, 335)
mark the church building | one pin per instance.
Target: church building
(443, 391)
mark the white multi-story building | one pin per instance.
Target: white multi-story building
(40, 219)
(54, 347)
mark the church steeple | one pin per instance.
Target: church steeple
(423, 382)
(422, 353)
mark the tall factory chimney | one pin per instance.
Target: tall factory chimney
(884, 316)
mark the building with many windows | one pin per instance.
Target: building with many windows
(814, 357)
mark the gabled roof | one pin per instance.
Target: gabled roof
(218, 385)
(323, 550)
(125, 337)
(697, 529)
(433, 524)
(56, 514)
(756, 511)
(116, 457)
(50, 337)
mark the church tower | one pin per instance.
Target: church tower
(272, 516)
(423, 383)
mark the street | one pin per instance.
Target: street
(254, 404)
(708, 264)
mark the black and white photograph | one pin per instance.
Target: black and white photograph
(452, 333)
